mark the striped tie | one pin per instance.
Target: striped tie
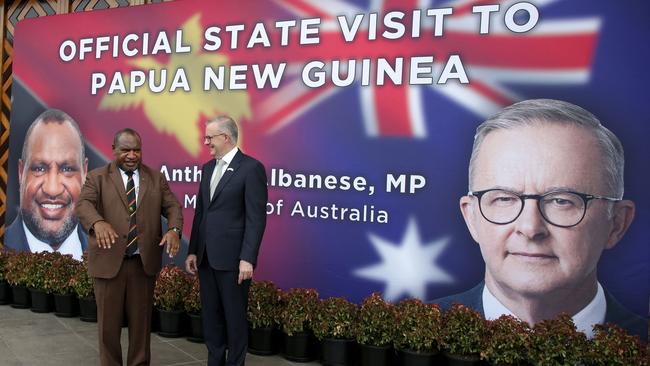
(132, 240)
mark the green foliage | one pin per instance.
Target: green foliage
(417, 326)
(264, 304)
(38, 267)
(81, 282)
(3, 265)
(462, 331)
(376, 321)
(335, 318)
(16, 267)
(172, 287)
(298, 309)
(193, 300)
(507, 341)
(557, 342)
(611, 345)
(59, 276)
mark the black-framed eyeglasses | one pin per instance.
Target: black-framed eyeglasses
(560, 208)
(210, 137)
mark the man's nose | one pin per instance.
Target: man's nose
(53, 186)
(530, 222)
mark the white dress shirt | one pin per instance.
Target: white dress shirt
(227, 159)
(585, 319)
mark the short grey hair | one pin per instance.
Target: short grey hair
(52, 116)
(534, 111)
(228, 126)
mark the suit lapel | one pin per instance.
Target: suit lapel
(116, 177)
(205, 181)
(230, 171)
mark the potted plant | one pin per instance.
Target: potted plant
(82, 284)
(557, 342)
(172, 287)
(612, 345)
(461, 335)
(16, 276)
(298, 308)
(334, 325)
(192, 304)
(58, 283)
(5, 288)
(263, 313)
(507, 341)
(38, 267)
(374, 331)
(417, 332)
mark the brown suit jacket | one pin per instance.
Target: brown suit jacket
(103, 197)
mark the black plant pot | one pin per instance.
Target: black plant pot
(412, 358)
(42, 302)
(196, 328)
(5, 293)
(21, 297)
(88, 310)
(155, 320)
(338, 352)
(300, 347)
(170, 324)
(462, 360)
(262, 341)
(66, 306)
(375, 356)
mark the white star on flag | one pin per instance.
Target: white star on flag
(407, 267)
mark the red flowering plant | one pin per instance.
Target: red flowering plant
(16, 268)
(507, 341)
(612, 345)
(417, 326)
(298, 309)
(192, 301)
(462, 331)
(557, 342)
(38, 266)
(62, 270)
(172, 287)
(335, 318)
(3, 265)
(376, 322)
(264, 304)
(81, 282)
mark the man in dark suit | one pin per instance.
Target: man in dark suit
(120, 205)
(227, 231)
(51, 170)
(545, 199)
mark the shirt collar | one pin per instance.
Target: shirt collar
(229, 156)
(585, 319)
(71, 245)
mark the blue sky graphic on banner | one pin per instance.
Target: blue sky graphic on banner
(391, 159)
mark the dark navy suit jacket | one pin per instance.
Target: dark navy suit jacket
(15, 238)
(616, 313)
(229, 227)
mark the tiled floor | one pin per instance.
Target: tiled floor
(29, 339)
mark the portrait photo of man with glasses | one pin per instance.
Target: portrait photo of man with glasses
(545, 200)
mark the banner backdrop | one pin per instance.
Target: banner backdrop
(363, 113)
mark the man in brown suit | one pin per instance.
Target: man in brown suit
(120, 207)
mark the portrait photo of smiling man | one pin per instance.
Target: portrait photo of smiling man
(51, 171)
(545, 200)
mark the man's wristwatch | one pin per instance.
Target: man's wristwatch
(176, 230)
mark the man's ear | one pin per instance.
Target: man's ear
(622, 217)
(85, 169)
(469, 211)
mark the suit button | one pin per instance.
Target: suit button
(123, 236)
